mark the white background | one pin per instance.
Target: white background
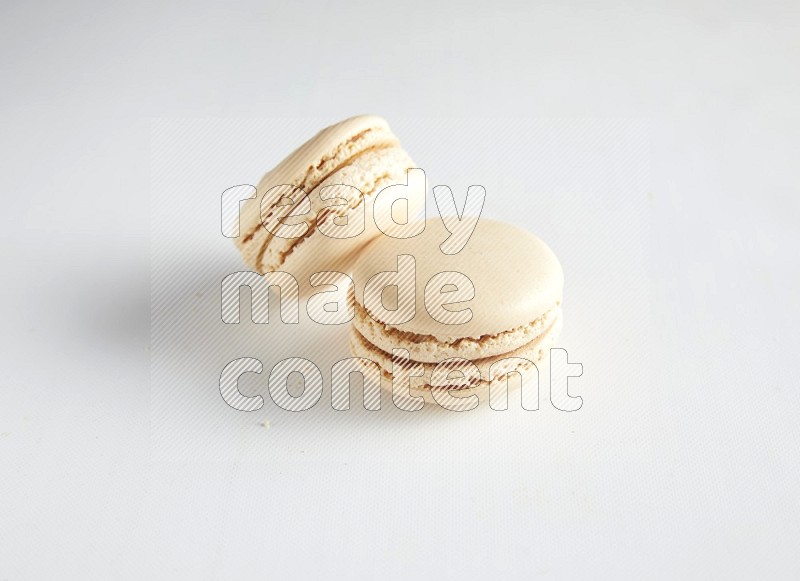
(681, 302)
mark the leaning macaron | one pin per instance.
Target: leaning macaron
(361, 153)
(506, 325)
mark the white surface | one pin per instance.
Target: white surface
(686, 466)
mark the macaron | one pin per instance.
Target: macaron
(361, 153)
(505, 323)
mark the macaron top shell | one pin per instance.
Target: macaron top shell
(517, 278)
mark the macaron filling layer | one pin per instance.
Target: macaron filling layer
(430, 348)
(369, 172)
(343, 154)
(492, 368)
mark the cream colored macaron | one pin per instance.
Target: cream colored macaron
(508, 323)
(361, 153)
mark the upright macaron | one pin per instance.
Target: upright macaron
(358, 157)
(507, 323)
